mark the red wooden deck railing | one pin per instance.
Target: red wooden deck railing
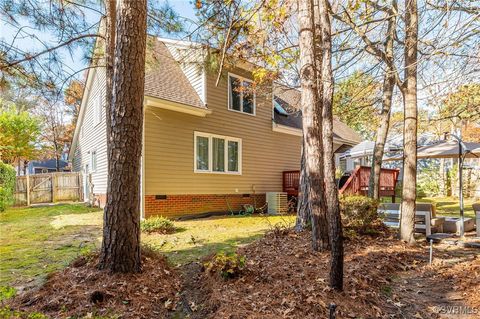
(357, 183)
(291, 180)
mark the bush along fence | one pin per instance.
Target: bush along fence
(48, 188)
(7, 185)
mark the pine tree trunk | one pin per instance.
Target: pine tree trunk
(407, 225)
(303, 207)
(111, 18)
(121, 229)
(387, 95)
(331, 190)
(381, 138)
(312, 127)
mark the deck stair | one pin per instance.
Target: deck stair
(354, 184)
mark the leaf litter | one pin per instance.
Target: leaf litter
(283, 278)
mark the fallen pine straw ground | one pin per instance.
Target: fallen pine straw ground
(83, 291)
(283, 278)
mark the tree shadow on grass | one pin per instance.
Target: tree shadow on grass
(449, 206)
(30, 263)
(200, 250)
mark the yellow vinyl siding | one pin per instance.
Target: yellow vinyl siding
(169, 147)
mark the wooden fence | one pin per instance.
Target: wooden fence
(48, 188)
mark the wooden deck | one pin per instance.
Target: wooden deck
(291, 180)
(356, 184)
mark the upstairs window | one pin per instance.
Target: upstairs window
(217, 154)
(241, 97)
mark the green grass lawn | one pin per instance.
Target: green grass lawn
(445, 206)
(201, 237)
(450, 206)
(36, 241)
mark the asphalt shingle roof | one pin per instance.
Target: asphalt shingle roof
(166, 80)
(289, 99)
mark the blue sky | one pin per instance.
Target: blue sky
(183, 8)
(75, 60)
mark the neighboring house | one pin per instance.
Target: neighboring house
(43, 166)
(362, 154)
(206, 148)
(47, 166)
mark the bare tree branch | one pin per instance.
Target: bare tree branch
(36, 55)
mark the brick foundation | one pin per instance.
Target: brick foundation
(100, 200)
(180, 205)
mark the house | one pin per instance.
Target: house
(42, 167)
(206, 148)
(47, 166)
(362, 153)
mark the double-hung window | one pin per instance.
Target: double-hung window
(93, 161)
(241, 97)
(217, 154)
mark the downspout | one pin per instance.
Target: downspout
(142, 176)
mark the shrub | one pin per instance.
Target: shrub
(7, 185)
(7, 292)
(359, 213)
(159, 225)
(228, 266)
(428, 182)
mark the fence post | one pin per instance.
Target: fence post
(28, 189)
(54, 192)
(80, 186)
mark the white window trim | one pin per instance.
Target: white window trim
(210, 153)
(243, 79)
(93, 168)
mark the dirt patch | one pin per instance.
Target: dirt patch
(81, 290)
(285, 279)
(87, 219)
(196, 292)
(463, 272)
(449, 288)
